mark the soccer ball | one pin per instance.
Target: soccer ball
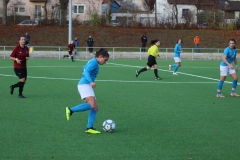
(109, 125)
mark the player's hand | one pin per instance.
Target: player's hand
(231, 67)
(93, 84)
(18, 61)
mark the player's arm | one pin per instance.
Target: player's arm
(236, 66)
(13, 56)
(87, 75)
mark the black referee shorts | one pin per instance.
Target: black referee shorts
(151, 61)
(21, 73)
(70, 52)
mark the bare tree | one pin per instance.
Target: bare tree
(175, 10)
(149, 4)
(108, 12)
(4, 12)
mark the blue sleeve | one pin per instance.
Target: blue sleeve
(225, 53)
(87, 70)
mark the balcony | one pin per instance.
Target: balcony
(38, 0)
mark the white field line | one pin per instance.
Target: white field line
(121, 65)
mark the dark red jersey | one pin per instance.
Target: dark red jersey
(70, 47)
(21, 54)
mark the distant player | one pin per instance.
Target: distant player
(153, 53)
(177, 59)
(229, 56)
(20, 55)
(85, 89)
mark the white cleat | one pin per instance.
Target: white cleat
(235, 95)
(220, 96)
(174, 73)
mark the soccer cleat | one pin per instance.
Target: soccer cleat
(235, 95)
(21, 96)
(11, 89)
(137, 73)
(68, 113)
(174, 73)
(220, 96)
(158, 78)
(169, 67)
(92, 131)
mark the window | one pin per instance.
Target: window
(78, 9)
(37, 13)
(185, 12)
(19, 8)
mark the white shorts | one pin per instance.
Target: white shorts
(225, 70)
(85, 90)
(177, 59)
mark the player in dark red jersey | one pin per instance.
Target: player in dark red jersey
(20, 55)
(71, 46)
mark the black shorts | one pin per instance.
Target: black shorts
(151, 61)
(21, 73)
(70, 53)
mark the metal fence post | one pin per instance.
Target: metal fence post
(192, 54)
(140, 54)
(4, 52)
(113, 53)
(166, 53)
(59, 51)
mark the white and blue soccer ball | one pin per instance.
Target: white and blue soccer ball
(109, 125)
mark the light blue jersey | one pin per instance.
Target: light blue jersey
(177, 50)
(231, 54)
(90, 72)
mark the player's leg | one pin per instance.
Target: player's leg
(234, 83)
(22, 82)
(84, 91)
(178, 64)
(156, 72)
(223, 75)
(150, 63)
(16, 85)
(92, 115)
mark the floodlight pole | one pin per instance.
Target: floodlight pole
(70, 22)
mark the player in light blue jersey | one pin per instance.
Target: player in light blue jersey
(229, 56)
(85, 89)
(177, 59)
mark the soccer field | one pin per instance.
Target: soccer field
(177, 118)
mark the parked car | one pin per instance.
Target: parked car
(28, 23)
(115, 22)
(203, 26)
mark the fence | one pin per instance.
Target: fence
(116, 52)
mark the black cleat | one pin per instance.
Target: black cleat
(137, 73)
(11, 89)
(158, 78)
(21, 96)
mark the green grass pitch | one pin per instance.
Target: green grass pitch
(177, 118)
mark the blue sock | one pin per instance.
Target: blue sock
(91, 118)
(173, 65)
(220, 84)
(234, 86)
(81, 107)
(176, 68)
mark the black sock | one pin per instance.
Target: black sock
(16, 85)
(72, 58)
(156, 72)
(142, 70)
(21, 85)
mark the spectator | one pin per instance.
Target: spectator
(19, 56)
(90, 44)
(27, 39)
(144, 43)
(197, 43)
(76, 45)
